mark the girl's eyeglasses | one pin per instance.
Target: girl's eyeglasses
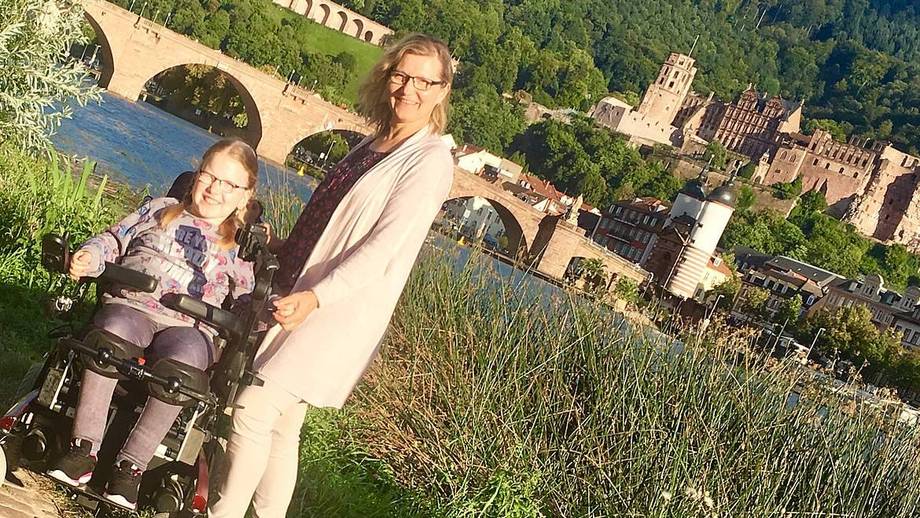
(226, 187)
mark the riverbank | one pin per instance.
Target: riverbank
(492, 398)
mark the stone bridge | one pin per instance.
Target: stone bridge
(546, 242)
(134, 50)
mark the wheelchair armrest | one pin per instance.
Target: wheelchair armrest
(56, 258)
(133, 279)
(216, 317)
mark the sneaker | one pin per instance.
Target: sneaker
(123, 488)
(76, 467)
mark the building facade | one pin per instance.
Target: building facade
(629, 227)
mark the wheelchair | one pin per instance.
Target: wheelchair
(36, 430)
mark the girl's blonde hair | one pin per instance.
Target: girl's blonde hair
(374, 94)
(246, 156)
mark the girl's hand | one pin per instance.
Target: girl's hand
(292, 310)
(81, 264)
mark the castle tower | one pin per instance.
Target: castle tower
(664, 98)
(703, 239)
(690, 199)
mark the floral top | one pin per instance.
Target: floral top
(315, 216)
(185, 257)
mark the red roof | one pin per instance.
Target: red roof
(542, 187)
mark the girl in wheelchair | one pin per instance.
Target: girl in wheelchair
(188, 246)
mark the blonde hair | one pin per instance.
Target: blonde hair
(246, 156)
(374, 94)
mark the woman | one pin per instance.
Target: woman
(342, 269)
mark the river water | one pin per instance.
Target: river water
(142, 145)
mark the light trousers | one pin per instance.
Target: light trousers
(262, 454)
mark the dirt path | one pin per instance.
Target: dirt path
(35, 499)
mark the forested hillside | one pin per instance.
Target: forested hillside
(854, 61)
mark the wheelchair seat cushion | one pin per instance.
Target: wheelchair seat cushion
(190, 377)
(97, 339)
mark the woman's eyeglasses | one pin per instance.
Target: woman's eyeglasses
(420, 83)
(226, 187)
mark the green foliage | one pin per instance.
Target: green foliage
(483, 118)
(593, 272)
(789, 310)
(626, 289)
(811, 201)
(821, 240)
(838, 130)
(38, 82)
(716, 155)
(753, 301)
(582, 158)
(746, 198)
(747, 170)
(850, 332)
(788, 190)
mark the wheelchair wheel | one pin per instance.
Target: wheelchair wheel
(29, 379)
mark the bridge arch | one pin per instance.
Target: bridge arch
(306, 151)
(253, 133)
(359, 27)
(326, 11)
(108, 58)
(343, 21)
(369, 36)
(517, 241)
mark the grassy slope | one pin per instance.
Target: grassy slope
(321, 39)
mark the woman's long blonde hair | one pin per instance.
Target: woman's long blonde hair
(374, 94)
(246, 156)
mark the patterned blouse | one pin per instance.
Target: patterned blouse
(315, 216)
(185, 257)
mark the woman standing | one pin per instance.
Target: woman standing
(342, 270)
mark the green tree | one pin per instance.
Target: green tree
(789, 310)
(838, 130)
(788, 190)
(746, 198)
(747, 170)
(753, 302)
(717, 154)
(38, 82)
(850, 332)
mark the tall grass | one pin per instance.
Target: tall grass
(38, 196)
(492, 402)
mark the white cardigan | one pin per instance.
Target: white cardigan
(358, 270)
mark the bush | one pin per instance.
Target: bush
(789, 190)
(37, 77)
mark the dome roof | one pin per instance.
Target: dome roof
(724, 194)
(693, 189)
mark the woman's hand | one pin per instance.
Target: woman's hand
(81, 264)
(292, 310)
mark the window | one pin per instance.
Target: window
(815, 162)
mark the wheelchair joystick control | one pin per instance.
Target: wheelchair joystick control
(172, 385)
(103, 356)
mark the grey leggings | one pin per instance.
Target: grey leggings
(185, 344)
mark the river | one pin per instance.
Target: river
(142, 145)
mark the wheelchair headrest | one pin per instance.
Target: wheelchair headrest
(122, 349)
(190, 377)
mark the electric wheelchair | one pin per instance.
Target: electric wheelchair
(36, 430)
